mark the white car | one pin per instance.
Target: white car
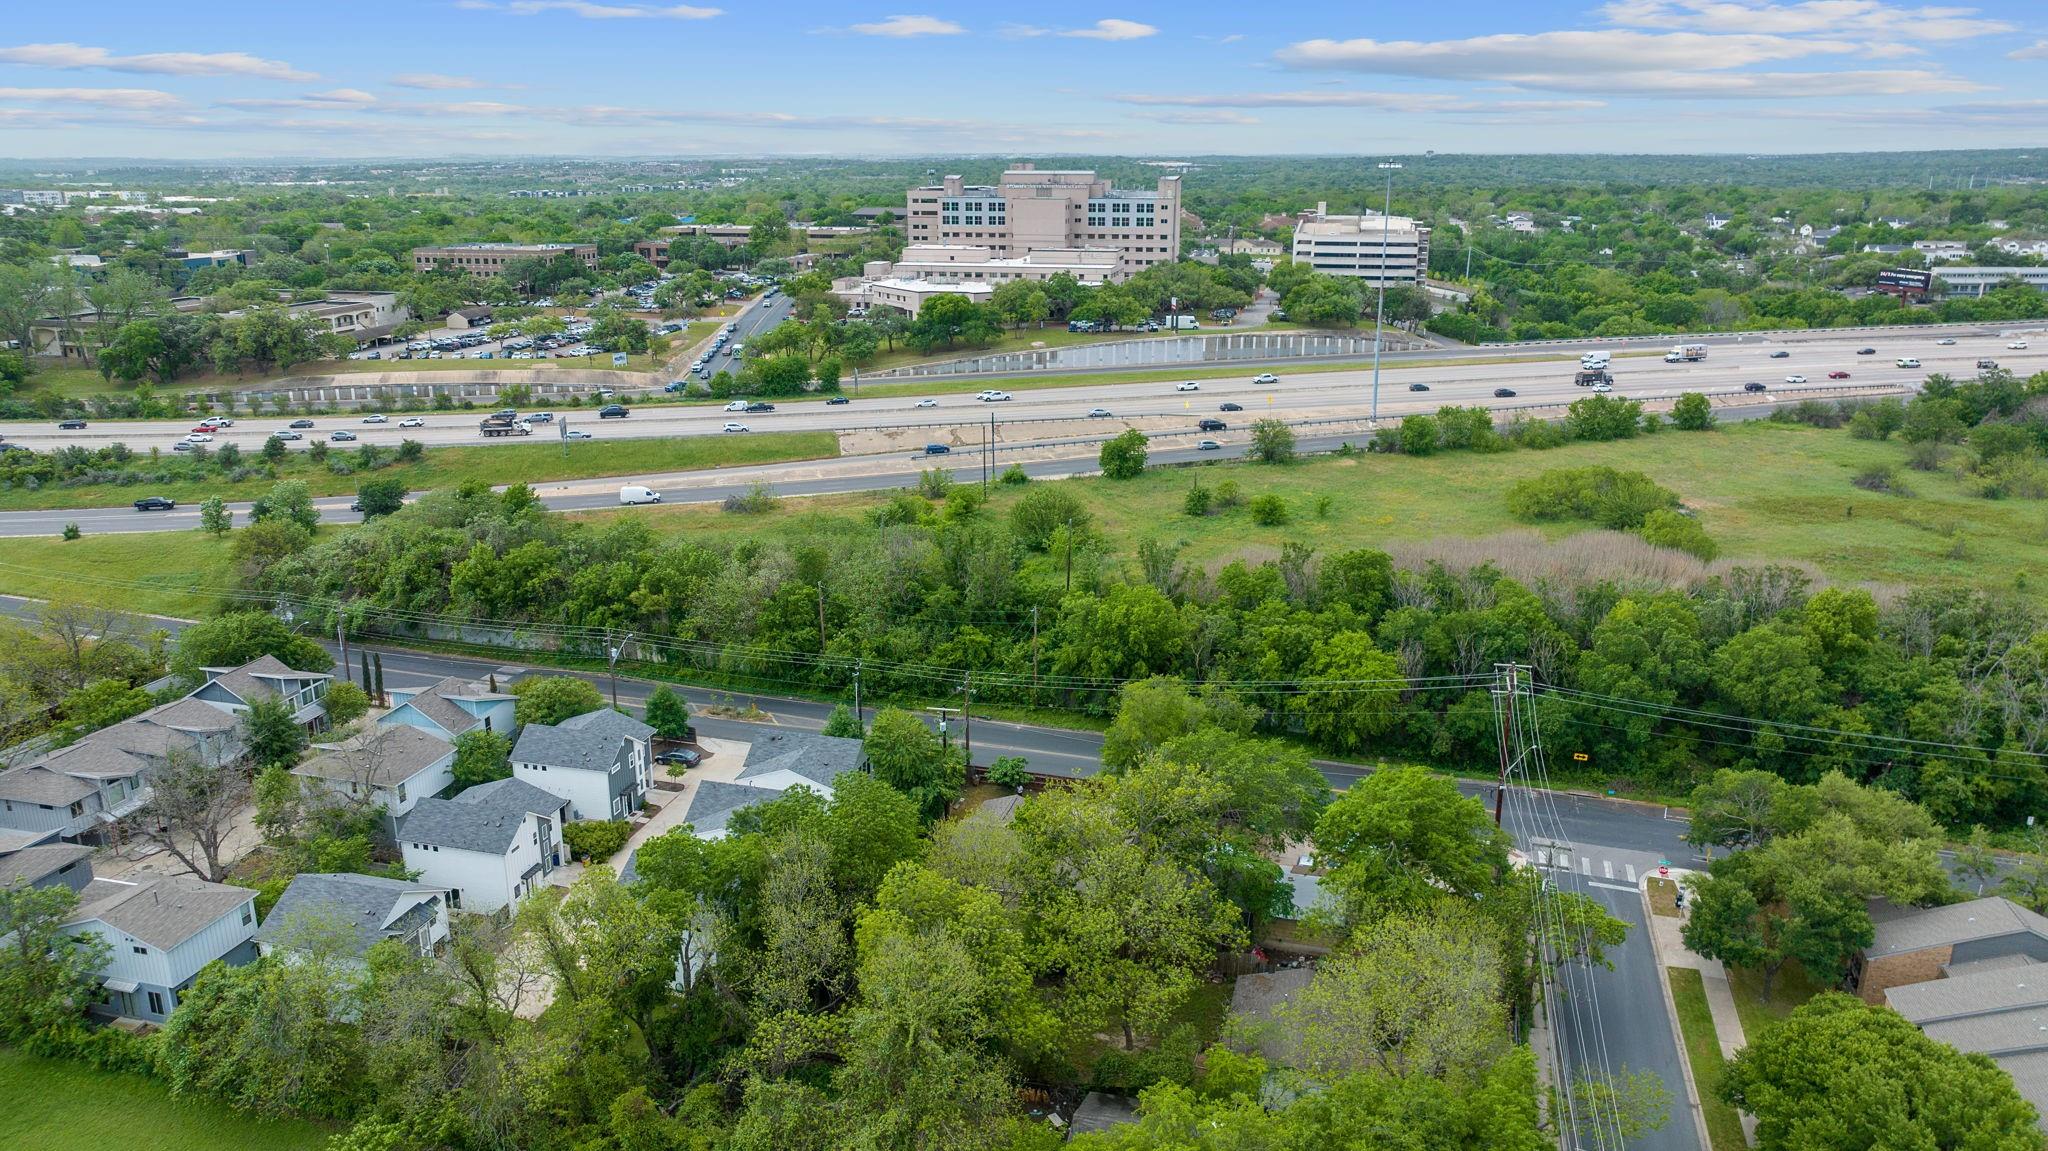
(1945, 341)
(1098, 413)
(376, 418)
(198, 438)
(1207, 446)
(1603, 388)
(1795, 379)
(1265, 378)
(2017, 346)
(412, 422)
(734, 426)
(1190, 386)
(927, 402)
(992, 396)
(736, 406)
(576, 434)
(217, 422)
(1907, 362)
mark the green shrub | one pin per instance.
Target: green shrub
(1227, 496)
(593, 839)
(1123, 458)
(1668, 529)
(1418, 436)
(1044, 510)
(71, 531)
(1269, 510)
(1882, 478)
(1009, 771)
(1602, 495)
(1196, 501)
(1013, 476)
(934, 483)
(1693, 412)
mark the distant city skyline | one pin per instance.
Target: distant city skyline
(422, 78)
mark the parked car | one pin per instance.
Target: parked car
(836, 401)
(1781, 355)
(1207, 445)
(1212, 424)
(71, 425)
(154, 504)
(1753, 386)
(342, 436)
(1098, 413)
(1503, 393)
(412, 422)
(1795, 379)
(1265, 378)
(1189, 386)
(681, 757)
(927, 402)
(1418, 387)
(376, 418)
(1230, 407)
(733, 426)
(613, 412)
(300, 424)
(937, 450)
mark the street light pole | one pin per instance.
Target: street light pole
(1380, 314)
(612, 661)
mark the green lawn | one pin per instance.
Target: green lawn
(543, 458)
(1703, 1051)
(1764, 492)
(160, 573)
(47, 1105)
(1014, 340)
(1792, 988)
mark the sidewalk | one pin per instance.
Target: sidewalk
(1669, 942)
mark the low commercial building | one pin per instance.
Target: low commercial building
(979, 263)
(494, 259)
(1381, 250)
(1913, 945)
(1975, 281)
(909, 295)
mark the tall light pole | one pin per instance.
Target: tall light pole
(1379, 318)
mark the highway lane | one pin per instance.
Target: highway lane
(1303, 392)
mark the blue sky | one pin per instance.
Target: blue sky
(236, 78)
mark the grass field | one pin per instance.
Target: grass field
(443, 467)
(162, 572)
(1703, 1051)
(47, 1105)
(1764, 492)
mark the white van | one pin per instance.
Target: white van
(1908, 362)
(636, 494)
(736, 406)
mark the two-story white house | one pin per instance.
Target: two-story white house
(488, 847)
(160, 930)
(390, 767)
(450, 707)
(598, 761)
(236, 688)
(353, 913)
(776, 762)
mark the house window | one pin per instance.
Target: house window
(455, 897)
(248, 914)
(401, 793)
(78, 809)
(156, 1003)
(140, 950)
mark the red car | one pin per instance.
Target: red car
(206, 428)
(1838, 375)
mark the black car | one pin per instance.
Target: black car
(154, 504)
(758, 406)
(612, 412)
(1212, 425)
(1503, 393)
(1781, 355)
(1753, 386)
(837, 400)
(680, 757)
(1231, 408)
(71, 426)
(1866, 351)
(1418, 387)
(936, 450)
(300, 424)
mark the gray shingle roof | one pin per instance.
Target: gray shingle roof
(592, 750)
(368, 908)
(12, 841)
(606, 720)
(432, 701)
(34, 784)
(819, 758)
(715, 801)
(31, 864)
(1984, 993)
(162, 911)
(485, 818)
(1915, 929)
(380, 757)
(256, 678)
(142, 738)
(93, 759)
(190, 715)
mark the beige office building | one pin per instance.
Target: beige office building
(1374, 248)
(979, 263)
(493, 259)
(1035, 209)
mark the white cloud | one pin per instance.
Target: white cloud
(593, 11)
(1113, 30)
(1199, 116)
(1830, 17)
(127, 99)
(161, 63)
(1233, 38)
(1417, 102)
(2037, 51)
(904, 27)
(436, 81)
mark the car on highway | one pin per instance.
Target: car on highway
(1986, 365)
(937, 450)
(759, 406)
(638, 494)
(1187, 386)
(1602, 388)
(735, 426)
(199, 438)
(1838, 375)
(376, 418)
(2017, 346)
(576, 434)
(613, 412)
(1781, 355)
(412, 422)
(1212, 424)
(1206, 445)
(541, 418)
(1503, 393)
(300, 424)
(1753, 386)
(154, 504)
(342, 436)
(1907, 362)
(836, 401)
(1795, 379)
(993, 396)
(1230, 407)
(1418, 387)
(287, 435)
(1946, 341)
(204, 428)
(71, 425)
(1265, 378)
(182, 446)
(736, 406)
(1098, 413)
(217, 422)
(927, 402)
(1866, 351)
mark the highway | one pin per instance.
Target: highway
(1301, 393)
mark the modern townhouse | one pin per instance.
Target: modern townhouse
(451, 707)
(235, 689)
(488, 847)
(353, 913)
(392, 768)
(597, 761)
(47, 865)
(775, 763)
(160, 930)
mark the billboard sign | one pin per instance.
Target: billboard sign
(1904, 280)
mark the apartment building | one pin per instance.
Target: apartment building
(1377, 249)
(1034, 209)
(493, 259)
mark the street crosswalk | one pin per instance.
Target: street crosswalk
(1590, 862)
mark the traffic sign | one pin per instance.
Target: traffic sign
(1581, 756)
(618, 359)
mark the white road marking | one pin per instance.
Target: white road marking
(1610, 886)
(1610, 867)
(1585, 865)
(1631, 871)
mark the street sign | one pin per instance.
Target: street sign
(1664, 872)
(618, 359)
(1581, 756)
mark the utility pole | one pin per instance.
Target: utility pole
(1504, 701)
(612, 651)
(967, 719)
(857, 716)
(1034, 655)
(1380, 314)
(1070, 555)
(341, 638)
(821, 619)
(991, 455)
